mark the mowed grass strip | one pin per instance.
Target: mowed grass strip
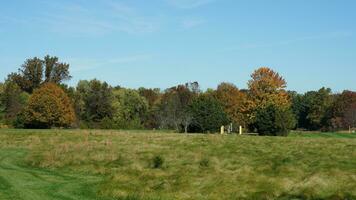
(150, 165)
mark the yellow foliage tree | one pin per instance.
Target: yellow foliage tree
(268, 87)
(49, 106)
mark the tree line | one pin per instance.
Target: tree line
(37, 97)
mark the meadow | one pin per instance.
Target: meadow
(145, 165)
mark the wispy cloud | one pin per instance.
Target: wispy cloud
(81, 18)
(85, 64)
(191, 23)
(325, 36)
(188, 4)
(77, 18)
(331, 35)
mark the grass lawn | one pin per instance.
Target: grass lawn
(93, 164)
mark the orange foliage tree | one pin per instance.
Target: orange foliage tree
(343, 111)
(235, 103)
(49, 106)
(268, 87)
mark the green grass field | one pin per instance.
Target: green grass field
(90, 164)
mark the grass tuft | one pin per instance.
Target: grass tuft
(157, 162)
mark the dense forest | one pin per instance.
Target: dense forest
(37, 97)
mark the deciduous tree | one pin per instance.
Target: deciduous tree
(13, 101)
(94, 101)
(36, 71)
(343, 111)
(235, 103)
(153, 97)
(55, 71)
(131, 108)
(315, 107)
(174, 111)
(268, 87)
(49, 106)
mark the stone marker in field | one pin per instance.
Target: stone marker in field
(222, 129)
(240, 130)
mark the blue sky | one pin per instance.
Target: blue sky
(160, 43)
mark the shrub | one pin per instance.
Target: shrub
(107, 123)
(49, 106)
(19, 121)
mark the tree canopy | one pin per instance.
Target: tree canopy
(208, 114)
(49, 106)
(274, 121)
(130, 107)
(13, 101)
(94, 101)
(267, 87)
(174, 108)
(265, 106)
(343, 111)
(234, 101)
(36, 71)
(268, 100)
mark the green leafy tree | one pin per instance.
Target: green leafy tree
(81, 91)
(298, 108)
(94, 102)
(36, 71)
(131, 108)
(208, 114)
(55, 71)
(69, 90)
(49, 106)
(274, 121)
(315, 105)
(13, 101)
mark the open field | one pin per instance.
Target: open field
(90, 164)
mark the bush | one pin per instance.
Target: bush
(19, 121)
(107, 123)
(274, 121)
(49, 106)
